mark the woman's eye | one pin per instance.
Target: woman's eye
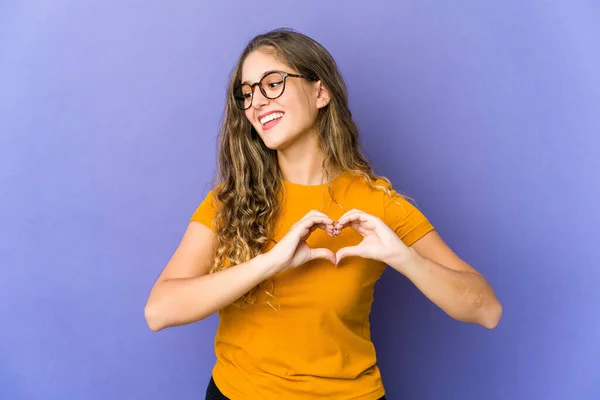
(274, 84)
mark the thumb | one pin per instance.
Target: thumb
(347, 252)
(322, 253)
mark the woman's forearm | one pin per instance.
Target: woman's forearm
(182, 301)
(465, 296)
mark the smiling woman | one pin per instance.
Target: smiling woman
(290, 242)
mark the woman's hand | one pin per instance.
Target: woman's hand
(379, 241)
(292, 249)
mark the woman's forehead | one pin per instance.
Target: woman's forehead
(258, 63)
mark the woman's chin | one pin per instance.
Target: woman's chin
(280, 139)
(275, 143)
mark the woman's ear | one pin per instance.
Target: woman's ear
(323, 95)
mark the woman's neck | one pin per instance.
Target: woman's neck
(302, 163)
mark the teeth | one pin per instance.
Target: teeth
(270, 117)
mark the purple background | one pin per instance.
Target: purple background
(488, 114)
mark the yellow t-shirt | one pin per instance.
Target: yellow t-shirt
(318, 344)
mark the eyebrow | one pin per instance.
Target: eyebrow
(262, 76)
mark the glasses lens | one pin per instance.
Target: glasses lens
(243, 96)
(272, 85)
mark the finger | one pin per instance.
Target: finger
(320, 221)
(309, 214)
(325, 226)
(349, 212)
(357, 218)
(322, 253)
(328, 228)
(309, 225)
(354, 216)
(314, 213)
(356, 226)
(347, 252)
(360, 228)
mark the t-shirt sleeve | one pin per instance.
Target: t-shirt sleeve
(409, 223)
(205, 213)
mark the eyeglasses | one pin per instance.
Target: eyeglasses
(271, 85)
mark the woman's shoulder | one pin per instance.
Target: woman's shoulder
(360, 182)
(206, 210)
(364, 192)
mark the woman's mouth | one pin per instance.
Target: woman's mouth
(270, 120)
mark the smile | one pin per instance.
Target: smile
(271, 117)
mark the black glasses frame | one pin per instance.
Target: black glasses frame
(240, 100)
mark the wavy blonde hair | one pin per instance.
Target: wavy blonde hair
(249, 181)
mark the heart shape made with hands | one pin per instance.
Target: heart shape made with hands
(377, 237)
(335, 230)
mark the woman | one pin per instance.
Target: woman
(288, 245)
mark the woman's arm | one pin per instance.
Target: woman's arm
(448, 281)
(186, 293)
(442, 276)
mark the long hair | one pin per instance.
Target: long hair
(249, 180)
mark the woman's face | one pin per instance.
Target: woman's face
(282, 121)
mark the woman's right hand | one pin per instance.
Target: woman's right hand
(292, 250)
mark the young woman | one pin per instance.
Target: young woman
(289, 243)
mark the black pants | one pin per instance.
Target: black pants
(213, 392)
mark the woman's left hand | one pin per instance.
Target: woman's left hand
(379, 241)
